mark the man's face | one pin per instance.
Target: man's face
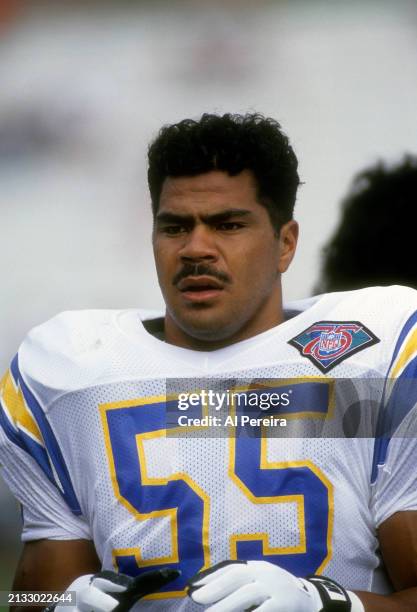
(218, 259)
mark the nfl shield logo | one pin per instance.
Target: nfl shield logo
(330, 341)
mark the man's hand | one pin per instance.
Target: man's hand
(111, 592)
(234, 586)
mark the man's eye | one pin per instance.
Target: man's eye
(229, 226)
(173, 230)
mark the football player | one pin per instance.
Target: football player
(237, 517)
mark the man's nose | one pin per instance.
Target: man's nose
(199, 244)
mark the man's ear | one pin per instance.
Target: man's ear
(288, 237)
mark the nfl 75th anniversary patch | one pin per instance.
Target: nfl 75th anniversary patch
(327, 343)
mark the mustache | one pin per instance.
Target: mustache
(200, 269)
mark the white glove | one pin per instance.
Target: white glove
(108, 591)
(235, 586)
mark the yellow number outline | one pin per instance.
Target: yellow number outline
(171, 513)
(264, 464)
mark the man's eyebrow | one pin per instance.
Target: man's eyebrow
(224, 215)
(168, 217)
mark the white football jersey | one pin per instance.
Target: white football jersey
(95, 443)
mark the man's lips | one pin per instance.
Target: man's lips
(198, 283)
(200, 288)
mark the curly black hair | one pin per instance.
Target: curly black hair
(231, 143)
(374, 242)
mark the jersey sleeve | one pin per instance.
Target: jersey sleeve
(394, 474)
(33, 467)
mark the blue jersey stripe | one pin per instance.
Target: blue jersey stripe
(14, 369)
(402, 399)
(27, 443)
(382, 439)
(40, 455)
(9, 430)
(411, 321)
(47, 455)
(52, 447)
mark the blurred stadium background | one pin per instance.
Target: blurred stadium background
(85, 84)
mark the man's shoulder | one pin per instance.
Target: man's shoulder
(385, 293)
(386, 306)
(72, 348)
(393, 302)
(74, 331)
(79, 330)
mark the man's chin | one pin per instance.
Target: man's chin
(208, 329)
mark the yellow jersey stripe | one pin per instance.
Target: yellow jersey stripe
(405, 355)
(15, 404)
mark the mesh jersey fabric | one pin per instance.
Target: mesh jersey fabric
(82, 449)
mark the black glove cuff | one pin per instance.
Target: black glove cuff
(333, 596)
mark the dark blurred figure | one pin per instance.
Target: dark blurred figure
(375, 243)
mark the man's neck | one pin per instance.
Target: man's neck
(175, 335)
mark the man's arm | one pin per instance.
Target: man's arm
(398, 542)
(403, 601)
(51, 565)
